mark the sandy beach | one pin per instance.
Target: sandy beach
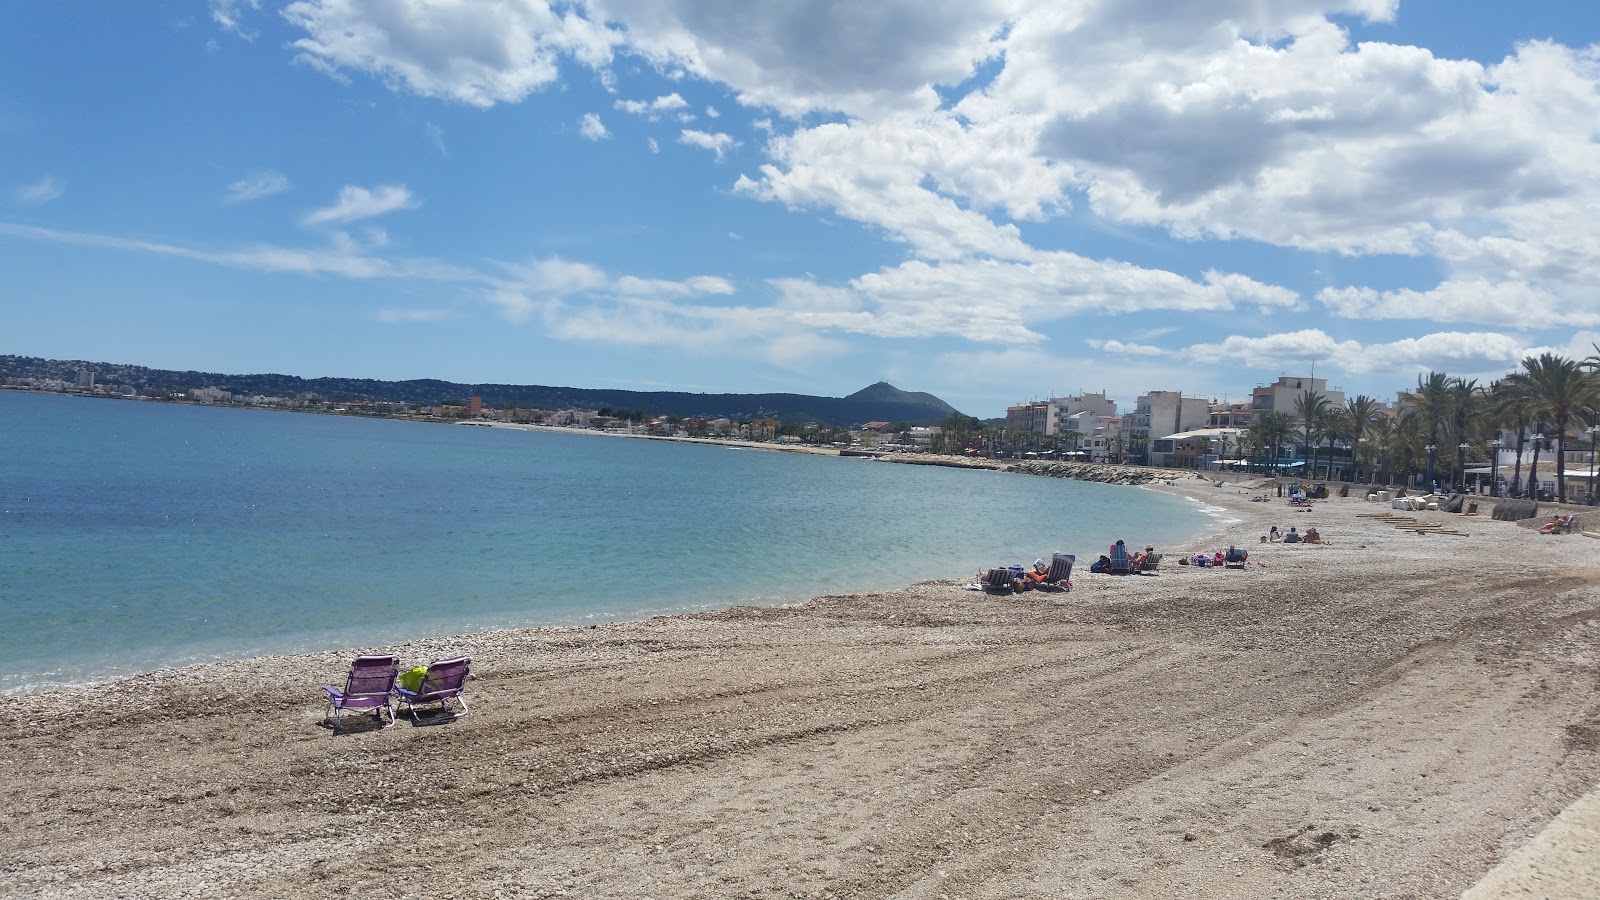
(1389, 715)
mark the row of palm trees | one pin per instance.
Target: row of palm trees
(1543, 401)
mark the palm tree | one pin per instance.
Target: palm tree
(1335, 427)
(1509, 407)
(1432, 401)
(1463, 404)
(1311, 408)
(1558, 389)
(1382, 432)
(1360, 413)
(1274, 429)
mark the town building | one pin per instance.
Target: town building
(1160, 414)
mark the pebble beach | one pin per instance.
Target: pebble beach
(1408, 710)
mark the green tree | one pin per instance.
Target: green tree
(1558, 389)
(1361, 413)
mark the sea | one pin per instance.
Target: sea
(141, 535)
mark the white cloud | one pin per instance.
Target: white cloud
(341, 259)
(488, 54)
(654, 146)
(40, 192)
(1467, 353)
(592, 128)
(227, 14)
(257, 185)
(718, 143)
(357, 203)
(436, 138)
(1513, 304)
(799, 56)
(652, 109)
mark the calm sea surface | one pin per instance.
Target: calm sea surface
(139, 535)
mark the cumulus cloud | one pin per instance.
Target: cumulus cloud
(357, 203)
(40, 192)
(480, 54)
(1464, 352)
(718, 143)
(592, 128)
(652, 109)
(257, 185)
(962, 130)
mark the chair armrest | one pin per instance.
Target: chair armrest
(333, 693)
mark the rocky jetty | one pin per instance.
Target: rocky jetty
(1104, 473)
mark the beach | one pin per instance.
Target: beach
(1390, 714)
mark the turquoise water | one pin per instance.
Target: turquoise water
(138, 535)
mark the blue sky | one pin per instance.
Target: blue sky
(992, 201)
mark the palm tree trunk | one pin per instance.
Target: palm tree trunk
(1533, 472)
(1516, 479)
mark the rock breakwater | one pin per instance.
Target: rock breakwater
(1104, 473)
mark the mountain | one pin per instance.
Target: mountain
(884, 392)
(881, 402)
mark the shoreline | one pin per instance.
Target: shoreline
(1390, 714)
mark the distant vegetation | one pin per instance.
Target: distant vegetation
(880, 402)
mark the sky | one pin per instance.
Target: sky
(993, 201)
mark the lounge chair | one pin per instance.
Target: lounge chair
(1121, 562)
(1151, 561)
(998, 580)
(1060, 574)
(1235, 558)
(443, 682)
(368, 686)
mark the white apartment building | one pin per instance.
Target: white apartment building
(1159, 414)
(1281, 395)
(1093, 404)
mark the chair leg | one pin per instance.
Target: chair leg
(464, 708)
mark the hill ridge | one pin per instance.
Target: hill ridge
(878, 402)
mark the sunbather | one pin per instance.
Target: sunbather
(1040, 572)
(1312, 537)
(1293, 537)
(1556, 525)
(1274, 535)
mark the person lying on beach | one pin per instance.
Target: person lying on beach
(1555, 526)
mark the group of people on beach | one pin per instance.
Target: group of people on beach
(1311, 536)
(1122, 561)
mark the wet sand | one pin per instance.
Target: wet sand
(1393, 714)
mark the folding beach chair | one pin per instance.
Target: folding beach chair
(368, 686)
(443, 682)
(1060, 575)
(998, 580)
(1151, 562)
(1121, 563)
(1235, 558)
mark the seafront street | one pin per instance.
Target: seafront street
(1390, 714)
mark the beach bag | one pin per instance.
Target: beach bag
(412, 678)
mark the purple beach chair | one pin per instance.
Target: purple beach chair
(444, 681)
(369, 686)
